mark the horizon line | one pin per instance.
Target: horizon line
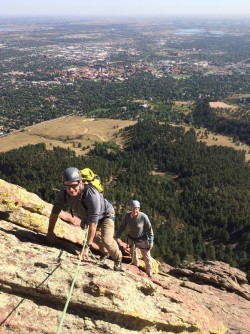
(126, 16)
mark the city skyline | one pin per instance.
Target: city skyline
(130, 8)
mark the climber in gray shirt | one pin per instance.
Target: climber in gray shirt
(140, 235)
(89, 205)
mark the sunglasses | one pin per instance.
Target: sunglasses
(69, 186)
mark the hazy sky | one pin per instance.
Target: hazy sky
(119, 8)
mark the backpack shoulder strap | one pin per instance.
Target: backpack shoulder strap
(86, 186)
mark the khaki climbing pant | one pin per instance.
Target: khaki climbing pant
(104, 238)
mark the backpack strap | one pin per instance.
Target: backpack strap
(86, 186)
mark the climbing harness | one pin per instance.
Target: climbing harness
(134, 246)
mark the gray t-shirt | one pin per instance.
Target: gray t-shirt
(138, 227)
(97, 207)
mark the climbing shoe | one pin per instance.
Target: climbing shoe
(118, 266)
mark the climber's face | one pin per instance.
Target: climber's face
(73, 187)
(135, 211)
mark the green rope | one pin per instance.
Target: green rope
(93, 256)
(72, 285)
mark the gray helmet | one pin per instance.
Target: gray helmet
(135, 204)
(71, 174)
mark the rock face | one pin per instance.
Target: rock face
(28, 210)
(35, 281)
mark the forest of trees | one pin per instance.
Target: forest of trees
(28, 105)
(230, 125)
(196, 196)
